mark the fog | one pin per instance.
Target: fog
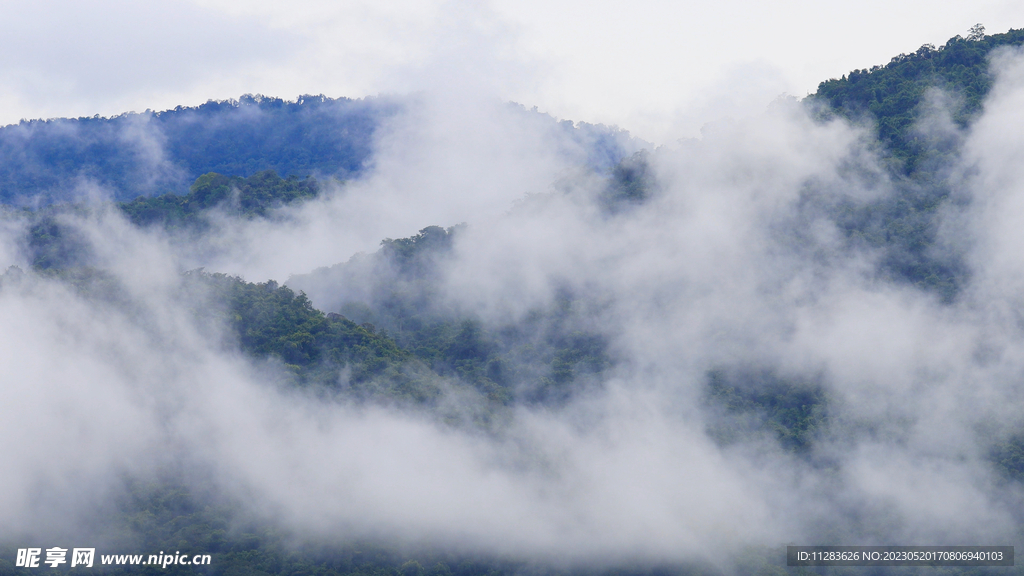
(727, 266)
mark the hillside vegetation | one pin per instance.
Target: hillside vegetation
(158, 152)
(155, 153)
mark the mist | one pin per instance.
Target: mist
(732, 268)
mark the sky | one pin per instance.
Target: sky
(659, 69)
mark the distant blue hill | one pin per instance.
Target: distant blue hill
(153, 153)
(45, 161)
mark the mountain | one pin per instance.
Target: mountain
(158, 152)
(896, 96)
(155, 153)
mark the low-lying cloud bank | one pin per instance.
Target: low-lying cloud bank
(734, 265)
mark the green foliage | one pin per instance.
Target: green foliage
(55, 245)
(575, 357)
(403, 296)
(894, 95)
(919, 156)
(1008, 457)
(752, 402)
(248, 197)
(631, 182)
(271, 321)
(151, 153)
(52, 243)
(415, 255)
(43, 160)
(903, 228)
(548, 357)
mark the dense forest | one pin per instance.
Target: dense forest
(394, 342)
(900, 101)
(894, 97)
(156, 153)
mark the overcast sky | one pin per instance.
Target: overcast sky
(659, 69)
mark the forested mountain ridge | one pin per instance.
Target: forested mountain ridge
(155, 153)
(255, 196)
(900, 103)
(894, 96)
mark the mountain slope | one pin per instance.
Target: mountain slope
(43, 161)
